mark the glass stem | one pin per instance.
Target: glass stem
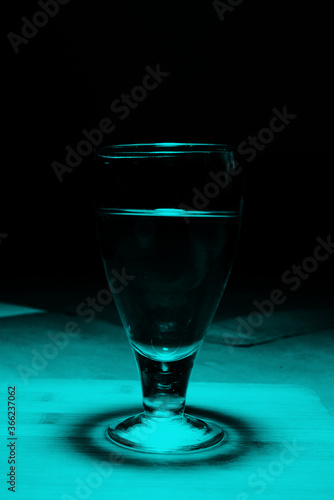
(164, 386)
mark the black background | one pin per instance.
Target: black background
(225, 79)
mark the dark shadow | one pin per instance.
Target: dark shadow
(242, 440)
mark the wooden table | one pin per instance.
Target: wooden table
(279, 446)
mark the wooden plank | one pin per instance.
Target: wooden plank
(280, 443)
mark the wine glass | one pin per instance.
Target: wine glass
(168, 218)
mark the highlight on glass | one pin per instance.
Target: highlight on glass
(168, 215)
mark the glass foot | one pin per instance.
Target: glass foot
(176, 435)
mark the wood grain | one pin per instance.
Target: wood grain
(280, 444)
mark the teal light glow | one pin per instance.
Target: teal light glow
(163, 434)
(166, 212)
(159, 149)
(8, 310)
(169, 145)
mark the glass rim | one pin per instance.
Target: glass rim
(154, 149)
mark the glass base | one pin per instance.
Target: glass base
(183, 434)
